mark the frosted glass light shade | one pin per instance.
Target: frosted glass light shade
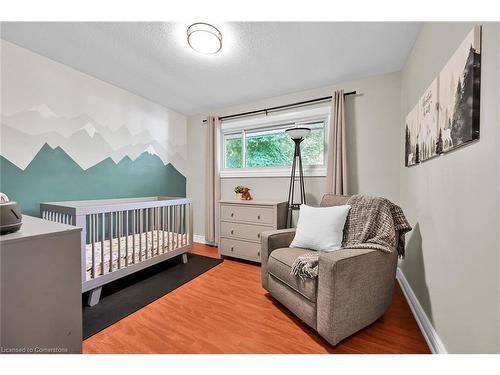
(204, 38)
(298, 133)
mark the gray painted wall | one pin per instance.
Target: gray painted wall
(373, 122)
(453, 204)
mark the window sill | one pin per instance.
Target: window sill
(234, 173)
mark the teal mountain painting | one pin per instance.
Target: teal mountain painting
(54, 176)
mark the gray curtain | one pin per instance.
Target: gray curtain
(212, 180)
(336, 175)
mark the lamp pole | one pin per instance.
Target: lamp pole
(297, 135)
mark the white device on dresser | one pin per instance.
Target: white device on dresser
(242, 222)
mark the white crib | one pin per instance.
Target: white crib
(122, 236)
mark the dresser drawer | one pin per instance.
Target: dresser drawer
(243, 231)
(240, 249)
(261, 215)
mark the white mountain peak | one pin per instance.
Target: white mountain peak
(44, 110)
(90, 129)
(151, 150)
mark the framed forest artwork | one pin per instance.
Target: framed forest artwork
(411, 131)
(447, 115)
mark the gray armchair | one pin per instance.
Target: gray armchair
(353, 289)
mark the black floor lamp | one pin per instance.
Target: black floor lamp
(297, 135)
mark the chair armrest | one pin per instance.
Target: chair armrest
(355, 288)
(272, 240)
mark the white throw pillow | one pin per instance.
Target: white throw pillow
(320, 228)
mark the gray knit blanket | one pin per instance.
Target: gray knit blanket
(372, 223)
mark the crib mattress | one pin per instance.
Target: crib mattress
(116, 257)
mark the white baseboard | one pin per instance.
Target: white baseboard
(200, 239)
(428, 331)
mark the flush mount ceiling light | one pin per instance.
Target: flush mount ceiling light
(204, 38)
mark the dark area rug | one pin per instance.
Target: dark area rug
(131, 293)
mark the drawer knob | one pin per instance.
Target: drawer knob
(232, 214)
(258, 235)
(258, 217)
(258, 254)
(232, 231)
(232, 248)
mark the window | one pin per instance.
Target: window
(260, 146)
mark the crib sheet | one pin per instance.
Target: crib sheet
(167, 241)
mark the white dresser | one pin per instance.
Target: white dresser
(241, 223)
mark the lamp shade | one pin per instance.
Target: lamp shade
(298, 133)
(204, 38)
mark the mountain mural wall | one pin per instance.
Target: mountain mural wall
(54, 176)
(65, 135)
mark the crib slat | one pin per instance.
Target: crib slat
(183, 237)
(110, 215)
(157, 216)
(140, 234)
(92, 230)
(162, 229)
(103, 231)
(119, 238)
(152, 227)
(182, 225)
(179, 225)
(186, 224)
(133, 237)
(167, 234)
(172, 225)
(169, 228)
(183, 232)
(175, 222)
(145, 232)
(189, 224)
(125, 214)
(167, 219)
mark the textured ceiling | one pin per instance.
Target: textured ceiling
(257, 60)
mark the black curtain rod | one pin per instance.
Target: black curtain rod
(266, 110)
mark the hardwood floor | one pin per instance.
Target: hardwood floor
(225, 310)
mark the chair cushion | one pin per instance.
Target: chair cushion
(280, 266)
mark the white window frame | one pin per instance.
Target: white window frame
(277, 120)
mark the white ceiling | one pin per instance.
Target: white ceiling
(257, 60)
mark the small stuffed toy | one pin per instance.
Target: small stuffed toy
(246, 194)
